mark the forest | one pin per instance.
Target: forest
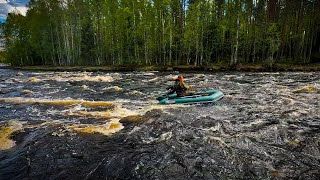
(163, 32)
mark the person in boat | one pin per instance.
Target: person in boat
(180, 87)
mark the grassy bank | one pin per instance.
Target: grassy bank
(209, 68)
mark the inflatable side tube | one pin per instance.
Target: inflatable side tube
(174, 96)
(193, 99)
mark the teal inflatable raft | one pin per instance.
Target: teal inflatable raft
(200, 97)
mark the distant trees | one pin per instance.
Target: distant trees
(163, 32)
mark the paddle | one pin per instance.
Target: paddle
(161, 97)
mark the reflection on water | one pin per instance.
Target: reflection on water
(57, 125)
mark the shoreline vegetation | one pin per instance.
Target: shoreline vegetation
(175, 32)
(182, 68)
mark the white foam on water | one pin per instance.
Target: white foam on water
(151, 80)
(165, 136)
(135, 93)
(107, 129)
(148, 74)
(86, 88)
(70, 76)
(214, 139)
(112, 88)
(6, 130)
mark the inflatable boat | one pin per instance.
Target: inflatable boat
(200, 97)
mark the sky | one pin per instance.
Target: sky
(7, 6)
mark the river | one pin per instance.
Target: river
(98, 125)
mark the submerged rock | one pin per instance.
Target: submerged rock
(169, 69)
(77, 155)
(132, 119)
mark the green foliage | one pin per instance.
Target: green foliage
(3, 58)
(273, 41)
(162, 32)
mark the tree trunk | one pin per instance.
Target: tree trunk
(235, 58)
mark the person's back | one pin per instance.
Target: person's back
(180, 87)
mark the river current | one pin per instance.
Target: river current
(97, 125)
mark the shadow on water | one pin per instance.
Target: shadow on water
(266, 127)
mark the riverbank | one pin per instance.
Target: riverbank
(209, 68)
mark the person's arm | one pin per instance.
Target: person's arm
(171, 92)
(172, 89)
(185, 85)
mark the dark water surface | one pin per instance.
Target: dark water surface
(52, 126)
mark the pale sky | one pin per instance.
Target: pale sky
(7, 6)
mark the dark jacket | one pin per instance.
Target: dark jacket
(179, 87)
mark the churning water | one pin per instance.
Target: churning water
(82, 125)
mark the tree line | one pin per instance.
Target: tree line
(163, 32)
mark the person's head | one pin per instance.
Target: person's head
(180, 78)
